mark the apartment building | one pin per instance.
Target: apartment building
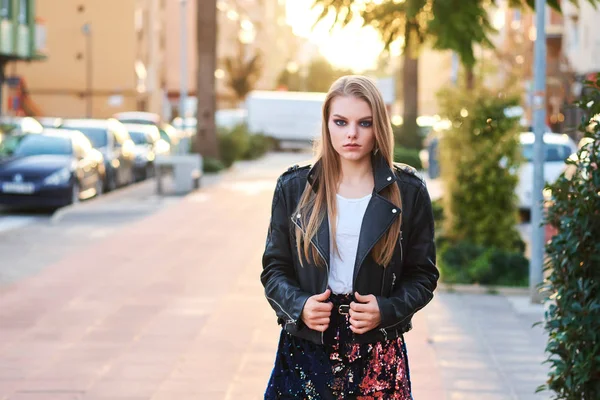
(22, 38)
(582, 38)
(104, 56)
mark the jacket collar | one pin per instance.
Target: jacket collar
(382, 173)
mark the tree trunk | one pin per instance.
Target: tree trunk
(206, 134)
(470, 77)
(409, 135)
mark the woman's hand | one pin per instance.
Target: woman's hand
(364, 314)
(316, 312)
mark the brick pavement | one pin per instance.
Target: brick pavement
(155, 311)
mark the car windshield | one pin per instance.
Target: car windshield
(33, 145)
(9, 143)
(7, 128)
(136, 121)
(554, 152)
(165, 136)
(97, 136)
(138, 137)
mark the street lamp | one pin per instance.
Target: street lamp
(87, 32)
(539, 127)
(183, 72)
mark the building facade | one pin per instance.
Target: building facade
(22, 38)
(515, 49)
(104, 56)
(582, 38)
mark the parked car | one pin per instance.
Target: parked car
(51, 169)
(169, 134)
(50, 122)
(112, 139)
(167, 131)
(148, 144)
(558, 148)
(225, 118)
(19, 125)
(138, 117)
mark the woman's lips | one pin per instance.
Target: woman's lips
(352, 145)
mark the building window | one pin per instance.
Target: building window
(5, 9)
(23, 12)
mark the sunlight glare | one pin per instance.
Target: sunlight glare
(354, 47)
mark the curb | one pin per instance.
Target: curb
(94, 201)
(122, 193)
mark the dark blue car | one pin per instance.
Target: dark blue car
(51, 169)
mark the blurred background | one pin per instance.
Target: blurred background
(140, 141)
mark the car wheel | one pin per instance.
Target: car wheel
(99, 187)
(111, 181)
(149, 173)
(75, 193)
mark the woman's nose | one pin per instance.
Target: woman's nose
(352, 130)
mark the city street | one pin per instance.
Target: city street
(137, 297)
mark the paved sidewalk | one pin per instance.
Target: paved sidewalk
(171, 308)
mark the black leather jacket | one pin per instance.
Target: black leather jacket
(402, 288)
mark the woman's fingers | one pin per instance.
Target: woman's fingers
(320, 321)
(322, 307)
(319, 327)
(320, 314)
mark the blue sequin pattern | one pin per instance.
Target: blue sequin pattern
(339, 369)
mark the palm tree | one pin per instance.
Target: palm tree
(206, 25)
(243, 72)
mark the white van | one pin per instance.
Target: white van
(558, 148)
(293, 117)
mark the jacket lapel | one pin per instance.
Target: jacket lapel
(321, 239)
(379, 215)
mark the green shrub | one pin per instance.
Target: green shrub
(211, 165)
(573, 263)
(233, 144)
(408, 156)
(469, 263)
(479, 160)
(438, 211)
(454, 261)
(259, 145)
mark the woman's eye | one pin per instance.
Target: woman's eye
(339, 122)
(366, 124)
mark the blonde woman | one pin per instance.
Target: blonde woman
(349, 258)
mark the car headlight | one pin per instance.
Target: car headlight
(59, 177)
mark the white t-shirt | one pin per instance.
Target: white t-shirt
(350, 213)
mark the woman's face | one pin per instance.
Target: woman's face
(351, 127)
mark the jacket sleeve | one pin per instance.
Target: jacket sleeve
(420, 274)
(278, 276)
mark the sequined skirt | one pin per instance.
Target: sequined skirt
(339, 369)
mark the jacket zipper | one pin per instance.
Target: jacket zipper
(326, 265)
(393, 274)
(291, 320)
(401, 250)
(383, 330)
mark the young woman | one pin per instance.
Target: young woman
(349, 258)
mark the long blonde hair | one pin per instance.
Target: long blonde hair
(317, 201)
